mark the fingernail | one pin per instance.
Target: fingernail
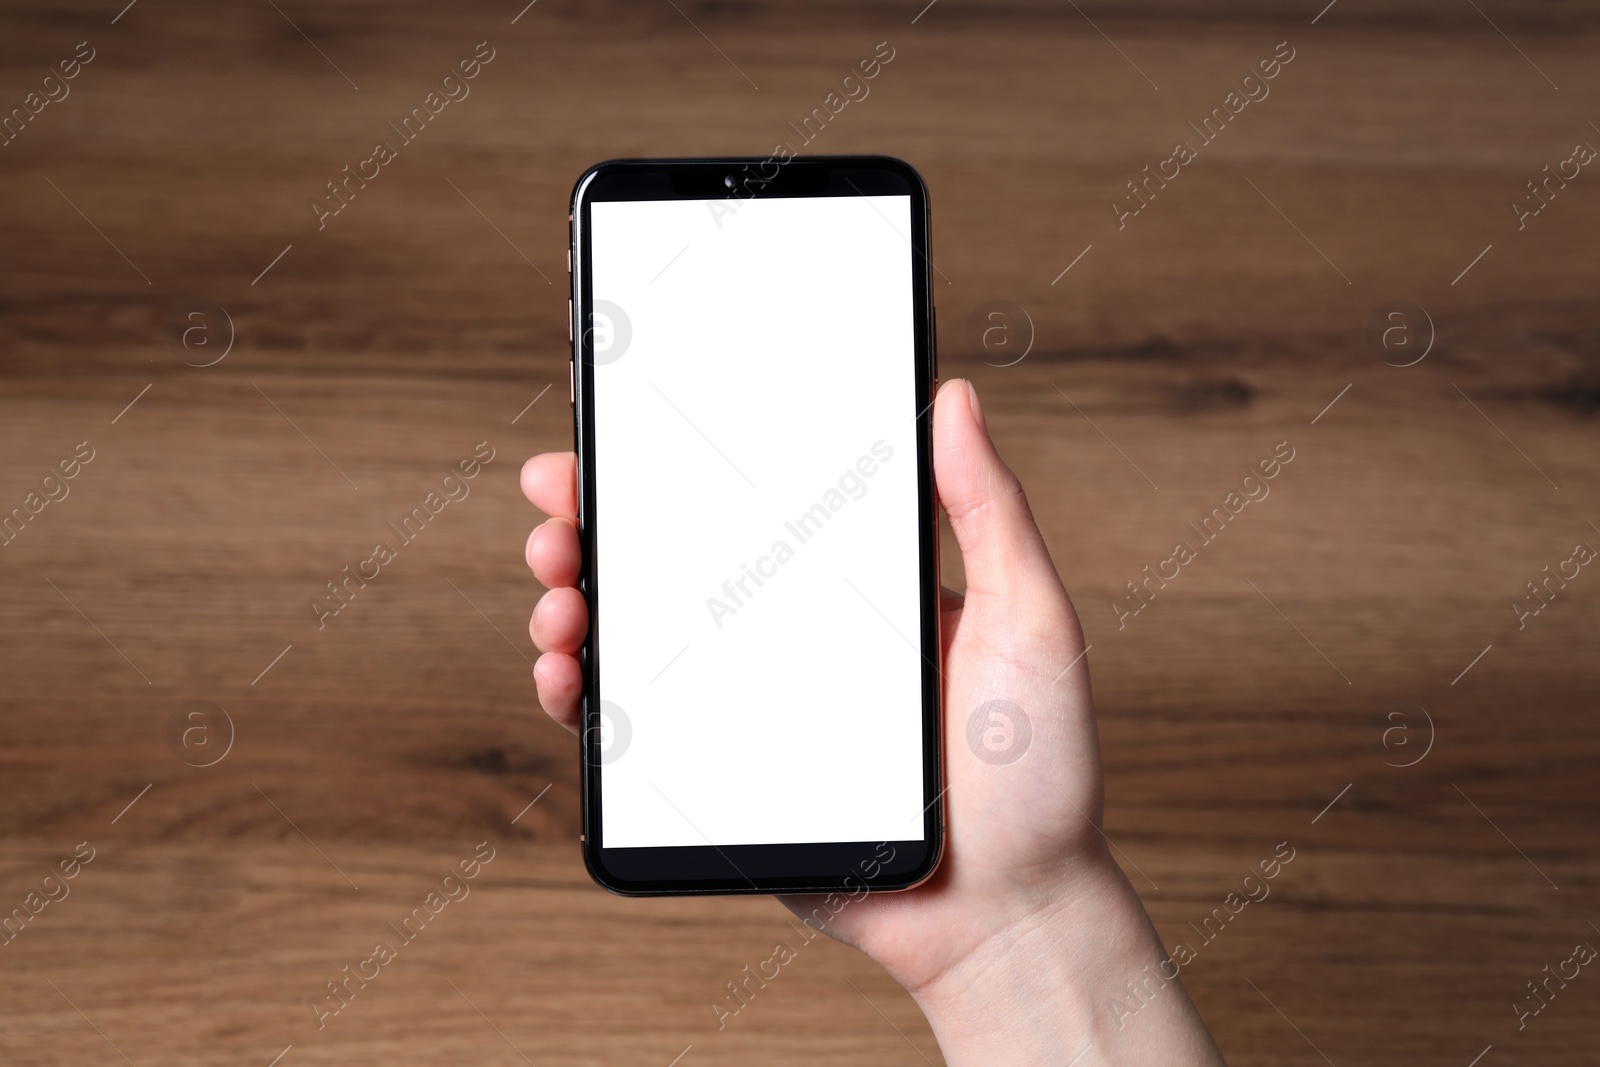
(977, 408)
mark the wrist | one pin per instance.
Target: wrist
(1082, 974)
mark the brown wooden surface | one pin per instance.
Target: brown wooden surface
(409, 329)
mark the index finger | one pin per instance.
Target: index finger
(550, 482)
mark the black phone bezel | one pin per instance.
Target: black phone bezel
(784, 868)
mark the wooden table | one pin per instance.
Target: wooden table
(1269, 694)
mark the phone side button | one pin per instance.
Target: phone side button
(572, 388)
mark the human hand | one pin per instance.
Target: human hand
(1018, 942)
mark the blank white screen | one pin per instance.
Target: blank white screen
(768, 373)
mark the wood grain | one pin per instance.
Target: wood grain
(425, 317)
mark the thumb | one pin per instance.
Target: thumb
(1001, 548)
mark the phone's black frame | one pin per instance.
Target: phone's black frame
(849, 867)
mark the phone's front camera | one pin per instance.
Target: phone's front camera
(728, 181)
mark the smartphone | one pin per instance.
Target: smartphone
(753, 371)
